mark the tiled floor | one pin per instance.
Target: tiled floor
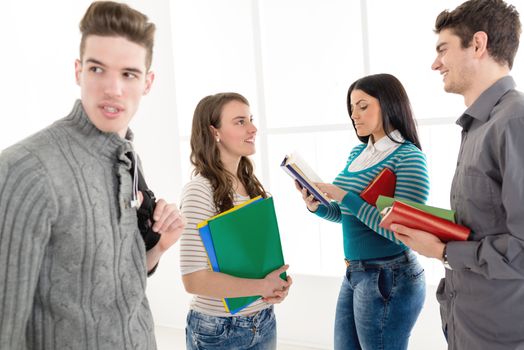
(174, 339)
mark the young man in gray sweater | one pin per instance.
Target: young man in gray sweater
(73, 264)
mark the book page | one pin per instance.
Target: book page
(296, 159)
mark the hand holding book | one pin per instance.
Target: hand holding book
(332, 191)
(298, 169)
(311, 203)
(415, 218)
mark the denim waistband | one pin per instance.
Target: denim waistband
(238, 321)
(406, 256)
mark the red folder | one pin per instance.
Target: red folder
(404, 214)
(383, 184)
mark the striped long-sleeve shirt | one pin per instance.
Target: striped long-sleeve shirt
(197, 205)
(363, 238)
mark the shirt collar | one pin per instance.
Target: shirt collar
(385, 142)
(484, 104)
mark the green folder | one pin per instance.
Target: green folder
(246, 243)
(383, 202)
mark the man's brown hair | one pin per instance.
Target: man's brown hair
(109, 18)
(499, 20)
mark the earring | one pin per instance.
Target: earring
(218, 140)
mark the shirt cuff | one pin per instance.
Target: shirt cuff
(461, 255)
(353, 202)
(321, 211)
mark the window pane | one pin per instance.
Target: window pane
(36, 88)
(213, 52)
(441, 144)
(406, 49)
(311, 51)
(313, 245)
(518, 67)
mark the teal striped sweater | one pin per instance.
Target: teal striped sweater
(363, 238)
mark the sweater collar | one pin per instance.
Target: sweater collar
(107, 145)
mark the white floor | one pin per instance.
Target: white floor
(168, 338)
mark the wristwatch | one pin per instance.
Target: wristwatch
(445, 258)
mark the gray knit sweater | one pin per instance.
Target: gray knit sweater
(72, 261)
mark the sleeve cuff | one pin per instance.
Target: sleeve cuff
(353, 202)
(461, 255)
(321, 211)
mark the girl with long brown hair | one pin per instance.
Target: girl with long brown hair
(222, 139)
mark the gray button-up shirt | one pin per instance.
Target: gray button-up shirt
(482, 298)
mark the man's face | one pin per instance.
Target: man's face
(113, 78)
(455, 64)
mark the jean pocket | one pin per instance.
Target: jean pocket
(209, 334)
(412, 272)
(386, 280)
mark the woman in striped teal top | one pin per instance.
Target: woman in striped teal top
(383, 290)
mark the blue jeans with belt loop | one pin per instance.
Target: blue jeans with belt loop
(256, 332)
(379, 302)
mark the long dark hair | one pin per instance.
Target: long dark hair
(205, 154)
(394, 104)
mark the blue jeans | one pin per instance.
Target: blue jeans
(256, 332)
(379, 302)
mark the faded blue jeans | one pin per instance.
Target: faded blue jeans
(379, 302)
(257, 332)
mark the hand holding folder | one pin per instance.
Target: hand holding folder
(244, 242)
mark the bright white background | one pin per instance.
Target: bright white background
(294, 60)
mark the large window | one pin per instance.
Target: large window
(294, 60)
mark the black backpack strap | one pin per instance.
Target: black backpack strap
(145, 214)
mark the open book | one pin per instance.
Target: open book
(407, 215)
(298, 169)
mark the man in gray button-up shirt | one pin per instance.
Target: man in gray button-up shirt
(482, 295)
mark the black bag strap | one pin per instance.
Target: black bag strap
(145, 213)
(147, 207)
(142, 185)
